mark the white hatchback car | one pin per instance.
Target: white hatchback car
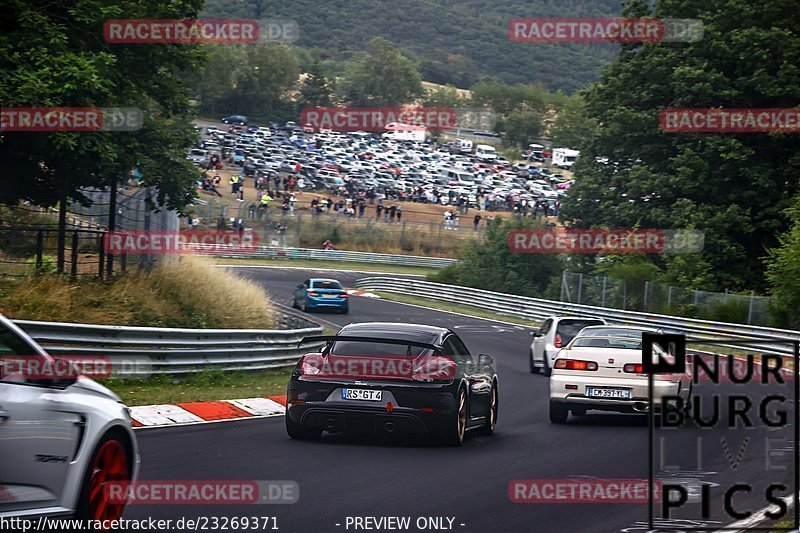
(555, 333)
(601, 368)
(63, 438)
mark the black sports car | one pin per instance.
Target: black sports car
(388, 378)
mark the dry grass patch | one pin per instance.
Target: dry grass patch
(228, 299)
(184, 292)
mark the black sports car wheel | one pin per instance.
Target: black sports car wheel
(300, 432)
(488, 428)
(531, 365)
(454, 436)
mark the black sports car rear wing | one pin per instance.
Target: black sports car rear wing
(331, 338)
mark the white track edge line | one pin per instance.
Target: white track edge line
(183, 424)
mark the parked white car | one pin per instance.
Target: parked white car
(555, 333)
(542, 189)
(601, 368)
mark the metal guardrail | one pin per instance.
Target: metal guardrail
(140, 351)
(536, 310)
(270, 252)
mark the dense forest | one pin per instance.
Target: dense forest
(454, 42)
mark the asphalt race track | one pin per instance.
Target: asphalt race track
(340, 477)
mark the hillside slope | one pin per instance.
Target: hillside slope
(455, 41)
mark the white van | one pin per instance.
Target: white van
(484, 152)
(398, 131)
(564, 157)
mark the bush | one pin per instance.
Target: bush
(512, 154)
(187, 292)
(49, 265)
(732, 311)
(491, 265)
(783, 273)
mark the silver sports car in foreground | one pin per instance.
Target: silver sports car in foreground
(63, 437)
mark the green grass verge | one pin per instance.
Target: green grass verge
(782, 526)
(335, 265)
(456, 308)
(203, 386)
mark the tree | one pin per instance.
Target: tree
(520, 128)
(258, 8)
(446, 96)
(572, 126)
(733, 187)
(505, 99)
(252, 80)
(271, 71)
(51, 54)
(383, 77)
(219, 76)
(783, 272)
(519, 109)
(316, 88)
(463, 70)
(493, 266)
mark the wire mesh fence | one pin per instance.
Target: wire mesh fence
(652, 297)
(136, 210)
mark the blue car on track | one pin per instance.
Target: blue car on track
(321, 293)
